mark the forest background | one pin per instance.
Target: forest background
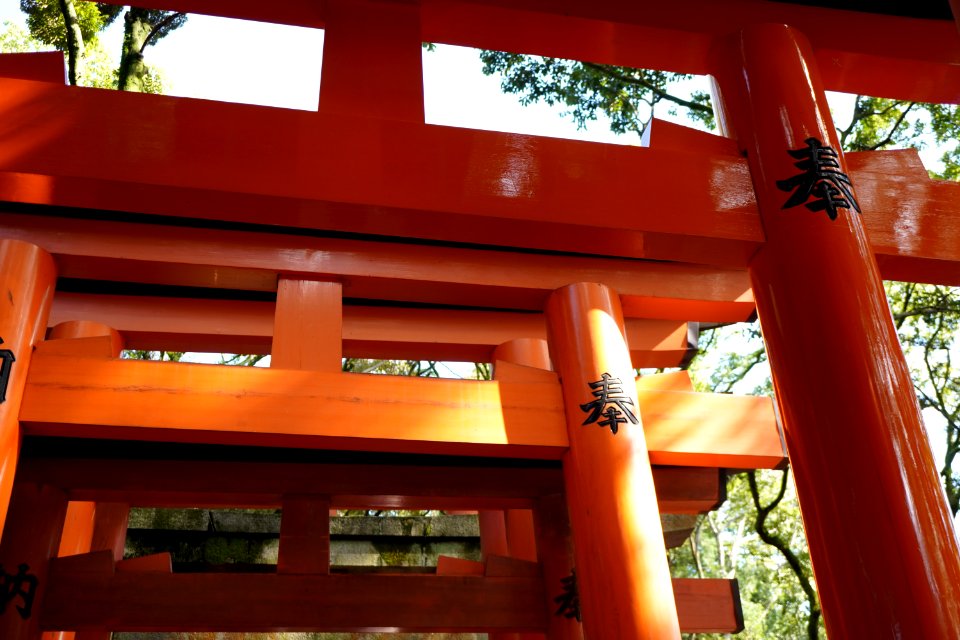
(757, 536)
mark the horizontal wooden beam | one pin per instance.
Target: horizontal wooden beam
(234, 326)
(46, 66)
(90, 601)
(709, 605)
(415, 180)
(374, 176)
(85, 594)
(171, 483)
(157, 254)
(685, 426)
(177, 402)
(858, 52)
(142, 400)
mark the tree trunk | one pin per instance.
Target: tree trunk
(74, 38)
(133, 71)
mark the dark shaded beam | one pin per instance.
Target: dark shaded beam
(165, 483)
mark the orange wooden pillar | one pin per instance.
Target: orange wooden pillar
(27, 281)
(528, 352)
(493, 533)
(31, 538)
(308, 325)
(513, 528)
(555, 551)
(307, 334)
(90, 526)
(883, 548)
(621, 562)
(510, 532)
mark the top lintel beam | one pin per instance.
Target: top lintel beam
(866, 53)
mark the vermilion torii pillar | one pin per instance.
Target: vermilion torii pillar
(91, 526)
(881, 540)
(27, 281)
(621, 561)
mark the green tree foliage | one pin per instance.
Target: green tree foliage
(163, 356)
(626, 96)
(46, 22)
(15, 39)
(72, 26)
(927, 319)
(67, 26)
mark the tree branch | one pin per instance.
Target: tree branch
(854, 119)
(813, 620)
(156, 29)
(694, 541)
(893, 129)
(926, 311)
(660, 93)
(755, 359)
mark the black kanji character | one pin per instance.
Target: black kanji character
(613, 419)
(821, 178)
(6, 364)
(569, 598)
(609, 391)
(19, 584)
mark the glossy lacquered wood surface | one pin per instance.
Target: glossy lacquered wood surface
(623, 579)
(83, 396)
(881, 539)
(27, 280)
(399, 333)
(127, 252)
(407, 179)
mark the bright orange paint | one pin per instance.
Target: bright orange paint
(85, 328)
(527, 352)
(95, 397)
(77, 528)
(27, 279)
(83, 517)
(622, 572)
(94, 249)
(387, 177)
(519, 522)
(308, 326)
(668, 381)
(398, 333)
(430, 189)
(518, 538)
(110, 527)
(881, 540)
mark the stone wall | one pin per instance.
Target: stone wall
(206, 538)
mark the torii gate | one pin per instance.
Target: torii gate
(443, 216)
